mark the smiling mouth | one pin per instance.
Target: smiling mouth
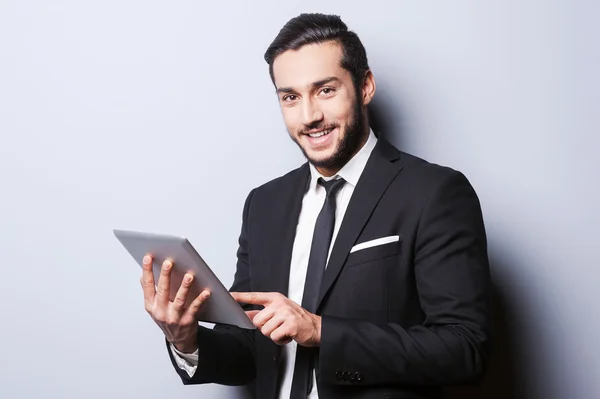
(320, 134)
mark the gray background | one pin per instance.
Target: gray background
(160, 116)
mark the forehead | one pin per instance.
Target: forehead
(310, 63)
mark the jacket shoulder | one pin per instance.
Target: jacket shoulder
(290, 178)
(272, 189)
(426, 177)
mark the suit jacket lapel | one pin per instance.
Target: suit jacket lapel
(379, 172)
(285, 216)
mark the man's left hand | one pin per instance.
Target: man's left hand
(282, 320)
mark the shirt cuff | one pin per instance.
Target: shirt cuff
(186, 361)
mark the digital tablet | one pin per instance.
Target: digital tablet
(220, 307)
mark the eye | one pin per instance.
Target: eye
(289, 97)
(327, 90)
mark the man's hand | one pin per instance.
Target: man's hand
(178, 323)
(282, 320)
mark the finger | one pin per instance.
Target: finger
(164, 283)
(182, 293)
(195, 306)
(263, 316)
(281, 335)
(255, 298)
(271, 325)
(252, 313)
(284, 341)
(147, 280)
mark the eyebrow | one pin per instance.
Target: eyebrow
(318, 83)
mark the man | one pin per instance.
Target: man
(365, 270)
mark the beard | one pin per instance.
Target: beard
(348, 140)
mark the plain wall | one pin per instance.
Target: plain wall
(160, 116)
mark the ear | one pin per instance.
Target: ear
(368, 87)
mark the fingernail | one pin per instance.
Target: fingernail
(205, 295)
(146, 259)
(167, 265)
(188, 278)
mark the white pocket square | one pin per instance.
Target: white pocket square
(374, 243)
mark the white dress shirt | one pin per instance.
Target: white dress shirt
(312, 203)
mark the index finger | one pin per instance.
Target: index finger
(164, 284)
(148, 279)
(254, 298)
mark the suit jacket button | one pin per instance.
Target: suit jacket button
(358, 376)
(345, 376)
(338, 375)
(353, 377)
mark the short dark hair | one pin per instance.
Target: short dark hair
(319, 28)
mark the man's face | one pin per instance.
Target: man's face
(320, 106)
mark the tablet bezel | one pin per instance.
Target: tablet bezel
(220, 307)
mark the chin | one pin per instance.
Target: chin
(323, 162)
(322, 158)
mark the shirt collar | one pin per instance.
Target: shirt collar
(352, 170)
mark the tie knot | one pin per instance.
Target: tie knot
(332, 186)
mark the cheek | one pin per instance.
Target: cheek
(291, 118)
(337, 110)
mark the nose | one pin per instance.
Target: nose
(311, 113)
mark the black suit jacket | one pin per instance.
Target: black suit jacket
(399, 320)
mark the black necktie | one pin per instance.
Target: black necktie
(317, 260)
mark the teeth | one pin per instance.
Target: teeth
(323, 133)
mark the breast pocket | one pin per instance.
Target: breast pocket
(374, 250)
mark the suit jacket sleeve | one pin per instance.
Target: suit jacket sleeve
(226, 353)
(452, 277)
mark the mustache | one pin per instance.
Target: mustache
(318, 126)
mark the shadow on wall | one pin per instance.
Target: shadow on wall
(385, 119)
(505, 378)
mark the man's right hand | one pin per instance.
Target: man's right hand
(178, 323)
